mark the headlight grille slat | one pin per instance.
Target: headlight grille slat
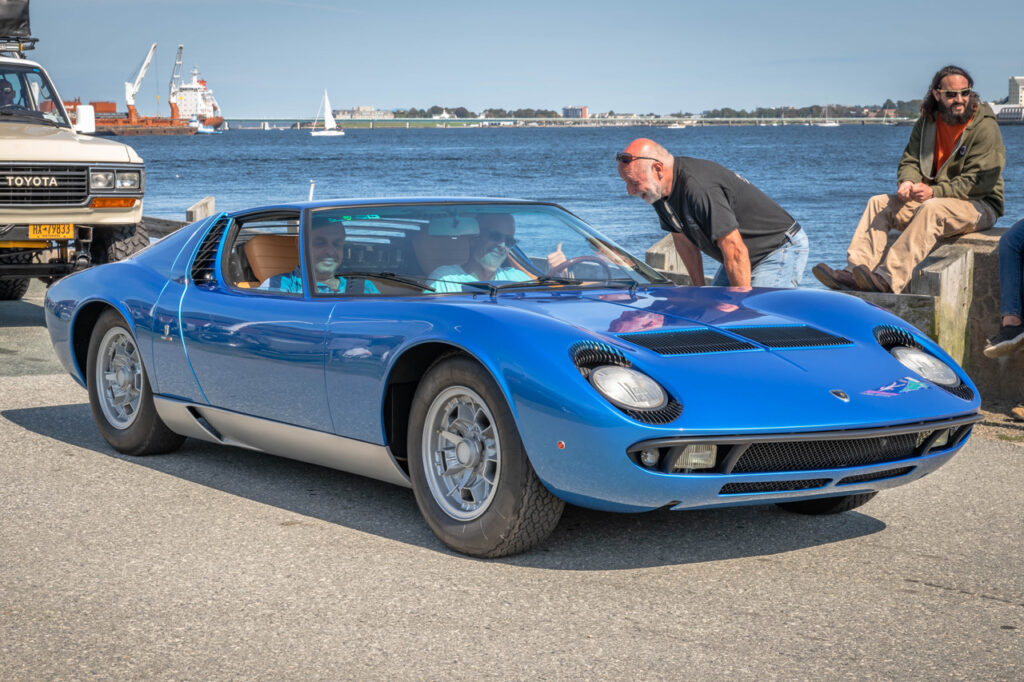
(890, 336)
(587, 355)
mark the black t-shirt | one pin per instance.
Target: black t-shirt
(708, 201)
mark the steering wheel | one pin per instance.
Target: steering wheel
(562, 267)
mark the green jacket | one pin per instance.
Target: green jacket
(973, 171)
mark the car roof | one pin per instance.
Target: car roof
(388, 201)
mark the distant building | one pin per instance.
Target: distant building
(1016, 91)
(363, 113)
(576, 112)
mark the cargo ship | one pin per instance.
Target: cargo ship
(109, 121)
(193, 99)
(193, 107)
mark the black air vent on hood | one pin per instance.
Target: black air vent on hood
(794, 336)
(687, 341)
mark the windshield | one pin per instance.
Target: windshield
(466, 247)
(27, 95)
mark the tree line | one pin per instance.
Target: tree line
(903, 109)
(463, 112)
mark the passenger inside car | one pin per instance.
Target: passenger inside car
(488, 255)
(326, 251)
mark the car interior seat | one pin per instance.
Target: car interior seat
(272, 254)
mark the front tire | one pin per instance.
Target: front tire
(472, 479)
(119, 392)
(14, 289)
(828, 505)
(115, 244)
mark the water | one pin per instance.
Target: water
(822, 176)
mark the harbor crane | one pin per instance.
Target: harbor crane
(172, 94)
(132, 89)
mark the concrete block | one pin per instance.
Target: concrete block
(199, 210)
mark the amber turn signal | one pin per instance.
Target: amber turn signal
(112, 202)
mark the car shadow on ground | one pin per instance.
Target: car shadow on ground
(584, 539)
(21, 314)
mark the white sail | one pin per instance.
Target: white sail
(330, 125)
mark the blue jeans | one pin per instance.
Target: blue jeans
(782, 268)
(1011, 284)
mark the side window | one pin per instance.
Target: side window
(264, 255)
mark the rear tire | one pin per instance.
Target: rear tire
(119, 392)
(472, 479)
(828, 505)
(115, 244)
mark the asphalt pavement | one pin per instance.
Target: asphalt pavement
(217, 563)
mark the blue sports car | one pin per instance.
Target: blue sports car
(502, 358)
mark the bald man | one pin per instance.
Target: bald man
(708, 208)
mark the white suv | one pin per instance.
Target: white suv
(67, 200)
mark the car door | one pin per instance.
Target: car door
(256, 351)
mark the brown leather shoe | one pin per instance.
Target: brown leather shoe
(1018, 413)
(869, 280)
(834, 279)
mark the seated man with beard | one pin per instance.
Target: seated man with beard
(487, 253)
(949, 182)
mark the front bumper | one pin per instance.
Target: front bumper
(784, 467)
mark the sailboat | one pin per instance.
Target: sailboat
(330, 127)
(828, 122)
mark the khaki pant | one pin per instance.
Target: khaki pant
(921, 224)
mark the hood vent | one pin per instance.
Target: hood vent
(796, 336)
(687, 342)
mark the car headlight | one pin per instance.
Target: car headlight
(628, 388)
(101, 180)
(928, 366)
(128, 180)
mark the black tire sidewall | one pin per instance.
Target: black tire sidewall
(482, 535)
(135, 439)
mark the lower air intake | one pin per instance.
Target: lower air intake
(772, 486)
(825, 454)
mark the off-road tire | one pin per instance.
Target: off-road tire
(146, 434)
(828, 505)
(13, 289)
(521, 511)
(110, 245)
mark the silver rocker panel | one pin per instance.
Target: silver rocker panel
(284, 440)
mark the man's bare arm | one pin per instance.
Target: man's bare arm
(735, 259)
(691, 258)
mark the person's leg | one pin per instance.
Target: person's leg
(933, 219)
(783, 267)
(867, 246)
(1011, 281)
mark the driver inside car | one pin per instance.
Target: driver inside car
(6, 93)
(488, 252)
(327, 249)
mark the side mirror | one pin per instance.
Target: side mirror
(85, 119)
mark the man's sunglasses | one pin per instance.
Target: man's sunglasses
(626, 158)
(953, 94)
(500, 237)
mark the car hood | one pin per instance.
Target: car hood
(30, 143)
(839, 379)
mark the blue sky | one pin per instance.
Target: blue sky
(273, 58)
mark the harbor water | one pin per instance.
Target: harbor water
(822, 176)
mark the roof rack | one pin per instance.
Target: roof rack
(15, 47)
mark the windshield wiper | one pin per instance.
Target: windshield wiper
(390, 276)
(543, 280)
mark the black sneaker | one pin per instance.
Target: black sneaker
(1005, 342)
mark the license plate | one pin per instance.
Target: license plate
(52, 231)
